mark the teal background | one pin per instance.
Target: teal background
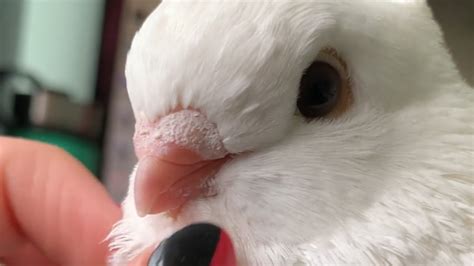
(56, 40)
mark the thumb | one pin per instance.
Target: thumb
(51, 201)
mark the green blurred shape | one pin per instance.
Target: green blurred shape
(86, 151)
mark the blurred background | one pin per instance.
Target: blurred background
(62, 82)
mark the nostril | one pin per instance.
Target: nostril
(186, 129)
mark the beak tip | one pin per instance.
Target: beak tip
(141, 213)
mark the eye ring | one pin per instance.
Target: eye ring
(325, 87)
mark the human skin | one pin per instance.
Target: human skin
(52, 210)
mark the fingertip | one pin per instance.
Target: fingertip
(196, 244)
(49, 198)
(225, 253)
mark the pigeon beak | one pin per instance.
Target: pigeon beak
(178, 154)
(166, 183)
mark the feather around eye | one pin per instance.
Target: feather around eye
(325, 87)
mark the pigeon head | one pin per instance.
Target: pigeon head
(283, 121)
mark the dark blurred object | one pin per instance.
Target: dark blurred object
(55, 111)
(25, 102)
(29, 111)
(119, 156)
(16, 92)
(456, 19)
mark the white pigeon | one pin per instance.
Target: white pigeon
(313, 132)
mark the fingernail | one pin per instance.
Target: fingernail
(198, 244)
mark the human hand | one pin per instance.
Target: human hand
(52, 210)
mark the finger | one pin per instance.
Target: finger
(28, 254)
(196, 244)
(50, 199)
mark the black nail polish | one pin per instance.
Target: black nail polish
(193, 245)
(156, 257)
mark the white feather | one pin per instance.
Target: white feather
(388, 183)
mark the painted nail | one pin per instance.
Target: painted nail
(197, 244)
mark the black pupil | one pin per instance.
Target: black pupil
(323, 90)
(319, 90)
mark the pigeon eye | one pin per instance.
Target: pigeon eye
(324, 87)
